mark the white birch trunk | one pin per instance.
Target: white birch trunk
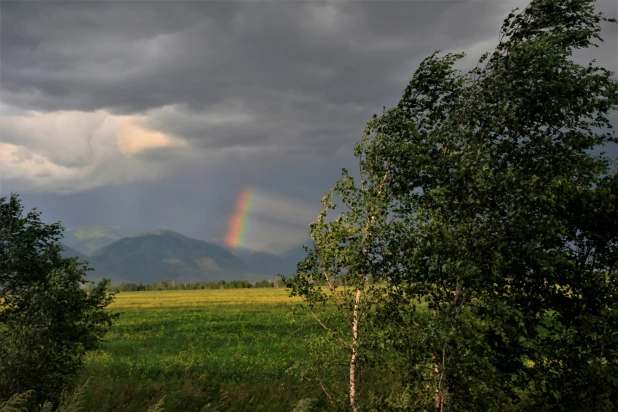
(353, 359)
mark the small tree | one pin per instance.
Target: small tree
(337, 259)
(47, 320)
(496, 219)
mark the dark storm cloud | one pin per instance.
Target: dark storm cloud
(303, 73)
(269, 95)
(134, 56)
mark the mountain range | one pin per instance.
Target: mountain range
(87, 239)
(168, 255)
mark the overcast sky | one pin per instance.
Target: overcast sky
(158, 114)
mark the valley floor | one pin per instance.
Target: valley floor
(204, 350)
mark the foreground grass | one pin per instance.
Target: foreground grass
(204, 350)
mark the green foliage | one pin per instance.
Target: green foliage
(69, 402)
(481, 199)
(306, 405)
(157, 407)
(47, 320)
(16, 403)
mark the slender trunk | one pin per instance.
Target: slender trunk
(353, 359)
(439, 370)
(458, 291)
(436, 368)
(442, 391)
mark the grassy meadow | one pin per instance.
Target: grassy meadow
(204, 350)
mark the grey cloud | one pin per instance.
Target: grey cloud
(296, 67)
(70, 153)
(131, 56)
(161, 154)
(291, 123)
(21, 154)
(265, 94)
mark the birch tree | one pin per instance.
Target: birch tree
(493, 254)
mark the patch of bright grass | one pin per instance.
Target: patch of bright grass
(204, 350)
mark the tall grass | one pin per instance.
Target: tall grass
(204, 350)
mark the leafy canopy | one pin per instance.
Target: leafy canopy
(483, 233)
(48, 321)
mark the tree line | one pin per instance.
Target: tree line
(172, 285)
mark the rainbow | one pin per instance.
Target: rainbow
(237, 228)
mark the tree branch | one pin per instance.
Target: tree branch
(327, 394)
(327, 328)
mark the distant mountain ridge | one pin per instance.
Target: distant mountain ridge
(167, 255)
(171, 256)
(284, 264)
(95, 275)
(86, 239)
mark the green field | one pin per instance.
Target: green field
(204, 350)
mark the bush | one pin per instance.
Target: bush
(48, 321)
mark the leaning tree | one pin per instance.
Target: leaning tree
(478, 254)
